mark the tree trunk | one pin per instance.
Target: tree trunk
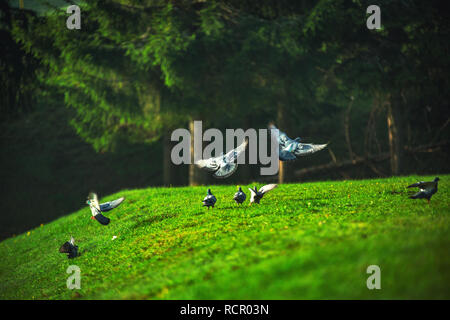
(395, 133)
(347, 129)
(168, 167)
(286, 173)
(196, 175)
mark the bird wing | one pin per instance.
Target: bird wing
(111, 204)
(286, 155)
(422, 185)
(209, 199)
(211, 164)
(304, 149)
(102, 219)
(267, 188)
(419, 195)
(252, 195)
(227, 165)
(233, 154)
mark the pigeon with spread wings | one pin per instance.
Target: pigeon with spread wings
(256, 195)
(70, 248)
(427, 189)
(97, 209)
(291, 149)
(223, 166)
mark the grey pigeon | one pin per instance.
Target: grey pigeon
(256, 195)
(223, 166)
(239, 196)
(210, 200)
(427, 189)
(70, 248)
(291, 149)
(97, 209)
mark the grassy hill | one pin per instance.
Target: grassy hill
(312, 240)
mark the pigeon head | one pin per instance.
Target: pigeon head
(240, 189)
(436, 179)
(209, 191)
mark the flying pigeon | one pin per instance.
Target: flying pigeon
(97, 209)
(223, 166)
(209, 200)
(256, 195)
(427, 189)
(239, 196)
(70, 248)
(291, 149)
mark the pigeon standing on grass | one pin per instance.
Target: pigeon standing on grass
(210, 200)
(256, 195)
(223, 166)
(97, 209)
(427, 189)
(70, 248)
(291, 149)
(239, 196)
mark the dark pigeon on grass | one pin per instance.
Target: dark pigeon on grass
(239, 196)
(210, 200)
(256, 195)
(291, 149)
(70, 248)
(427, 189)
(224, 165)
(97, 209)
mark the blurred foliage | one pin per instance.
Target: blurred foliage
(136, 69)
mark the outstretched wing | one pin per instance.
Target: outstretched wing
(267, 188)
(102, 219)
(234, 154)
(111, 204)
(211, 164)
(252, 195)
(304, 149)
(227, 164)
(421, 185)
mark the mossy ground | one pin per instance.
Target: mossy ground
(304, 241)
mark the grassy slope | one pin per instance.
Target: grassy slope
(312, 240)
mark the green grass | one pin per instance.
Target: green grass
(304, 241)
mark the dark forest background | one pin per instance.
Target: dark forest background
(93, 109)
